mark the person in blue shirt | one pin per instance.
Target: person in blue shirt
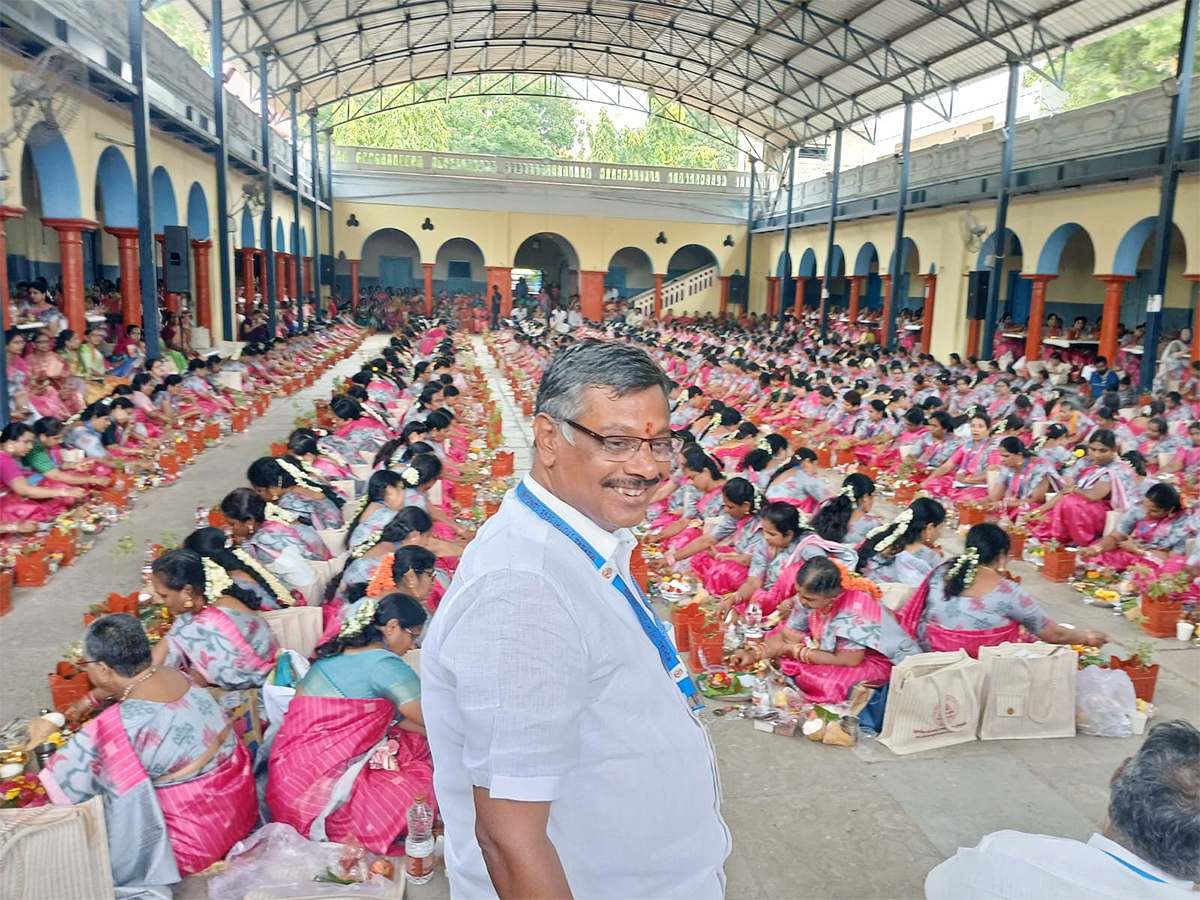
(1102, 379)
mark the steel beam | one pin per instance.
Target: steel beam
(1167, 191)
(221, 160)
(329, 191)
(140, 109)
(296, 211)
(832, 231)
(897, 267)
(749, 239)
(787, 243)
(316, 214)
(992, 312)
(268, 216)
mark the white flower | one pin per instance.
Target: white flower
(410, 476)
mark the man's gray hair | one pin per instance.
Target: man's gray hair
(1155, 800)
(619, 369)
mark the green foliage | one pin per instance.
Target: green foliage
(662, 141)
(192, 40)
(1133, 59)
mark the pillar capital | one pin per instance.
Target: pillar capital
(11, 212)
(1115, 279)
(201, 243)
(353, 262)
(120, 232)
(66, 226)
(1038, 277)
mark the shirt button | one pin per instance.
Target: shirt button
(607, 572)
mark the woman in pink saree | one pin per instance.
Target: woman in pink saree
(28, 496)
(1153, 533)
(838, 634)
(1076, 516)
(964, 475)
(177, 787)
(46, 379)
(702, 501)
(351, 755)
(1023, 483)
(354, 432)
(968, 602)
(721, 556)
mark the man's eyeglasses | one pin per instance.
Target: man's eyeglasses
(619, 448)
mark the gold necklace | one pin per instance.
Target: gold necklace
(125, 693)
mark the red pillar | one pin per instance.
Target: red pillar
(658, 282)
(501, 277)
(203, 292)
(772, 295)
(280, 277)
(724, 279)
(591, 294)
(131, 290)
(354, 283)
(290, 267)
(247, 278)
(856, 283)
(1111, 317)
(70, 253)
(973, 333)
(1195, 318)
(887, 307)
(927, 311)
(800, 282)
(428, 267)
(1037, 316)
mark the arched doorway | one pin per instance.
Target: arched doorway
(390, 259)
(1135, 257)
(866, 265)
(688, 258)
(1070, 256)
(49, 190)
(459, 268)
(630, 272)
(787, 286)
(1015, 291)
(906, 281)
(836, 283)
(116, 208)
(808, 271)
(551, 261)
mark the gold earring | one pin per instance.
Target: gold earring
(188, 605)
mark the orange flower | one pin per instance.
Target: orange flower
(851, 582)
(382, 581)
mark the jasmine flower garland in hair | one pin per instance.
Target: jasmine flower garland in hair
(282, 594)
(900, 525)
(278, 514)
(410, 476)
(299, 477)
(216, 580)
(847, 491)
(359, 620)
(968, 564)
(361, 549)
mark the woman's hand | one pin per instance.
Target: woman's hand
(1089, 552)
(78, 711)
(725, 606)
(785, 608)
(1130, 545)
(72, 493)
(744, 658)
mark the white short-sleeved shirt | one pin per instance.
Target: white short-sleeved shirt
(539, 684)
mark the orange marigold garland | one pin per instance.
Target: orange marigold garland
(852, 582)
(383, 580)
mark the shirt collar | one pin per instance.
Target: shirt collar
(606, 543)
(1100, 842)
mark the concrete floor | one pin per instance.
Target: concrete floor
(808, 820)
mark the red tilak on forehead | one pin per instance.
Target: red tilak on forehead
(649, 425)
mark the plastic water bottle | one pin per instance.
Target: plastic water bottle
(760, 696)
(418, 844)
(147, 562)
(754, 630)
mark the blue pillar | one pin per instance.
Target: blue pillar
(830, 239)
(992, 313)
(140, 108)
(749, 242)
(1167, 190)
(787, 241)
(299, 298)
(316, 217)
(217, 60)
(897, 266)
(329, 200)
(268, 219)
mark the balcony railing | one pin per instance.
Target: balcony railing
(347, 160)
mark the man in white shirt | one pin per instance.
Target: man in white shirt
(1150, 848)
(567, 758)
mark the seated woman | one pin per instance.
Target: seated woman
(771, 453)
(196, 386)
(411, 526)
(964, 475)
(1023, 483)
(968, 602)
(786, 546)
(899, 553)
(730, 452)
(354, 433)
(410, 568)
(28, 496)
(317, 460)
(419, 476)
(122, 438)
(934, 448)
(910, 432)
(218, 637)
(248, 573)
(798, 483)
(1052, 448)
(177, 787)
(1156, 442)
(1078, 512)
(1152, 533)
(276, 539)
(46, 459)
(1187, 454)
(846, 518)
(724, 564)
(703, 500)
(839, 634)
(359, 699)
(282, 480)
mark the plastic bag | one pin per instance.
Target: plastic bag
(1104, 700)
(277, 862)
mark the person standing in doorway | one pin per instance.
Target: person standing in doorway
(568, 757)
(496, 301)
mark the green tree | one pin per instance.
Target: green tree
(171, 22)
(1133, 59)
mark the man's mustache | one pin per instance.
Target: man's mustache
(633, 484)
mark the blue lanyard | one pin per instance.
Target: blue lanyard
(1129, 865)
(651, 626)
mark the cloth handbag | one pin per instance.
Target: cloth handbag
(933, 701)
(1028, 691)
